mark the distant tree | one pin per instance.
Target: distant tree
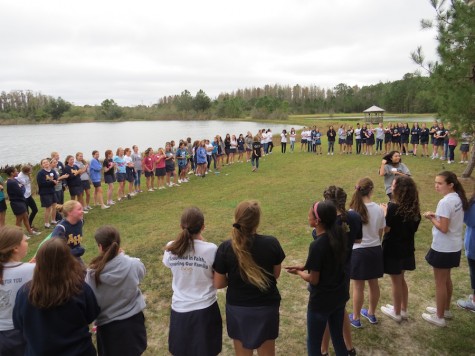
(201, 101)
(184, 102)
(453, 77)
(110, 110)
(57, 107)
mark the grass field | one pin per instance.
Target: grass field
(286, 185)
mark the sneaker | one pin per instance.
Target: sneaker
(85, 212)
(404, 315)
(54, 222)
(35, 233)
(89, 207)
(467, 304)
(356, 323)
(47, 226)
(390, 312)
(433, 319)
(151, 190)
(105, 207)
(179, 180)
(433, 310)
(372, 318)
(111, 202)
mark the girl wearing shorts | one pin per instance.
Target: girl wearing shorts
(445, 251)
(129, 171)
(115, 277)
(248, 145)
(119, 161)
(402, 221)
(109, 176)
(53, 311)
(465, 147)
(405, 138)
(369, 133)
(232, 148)
(85, 179)
(249, 265)
(240, 147)
(13, 275)
(147, 165)
(327, 284)
(227, 147)
(195, 319)
(16, 194)
(415, 137)
(24, 177)
(47, 179)
(73, 179)
(160, 168)
(367, 257)
(170, 165)
(95, 170)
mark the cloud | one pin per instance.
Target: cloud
(137, 52)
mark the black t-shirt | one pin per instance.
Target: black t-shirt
(267, 253)
(256, 149)
(399, 241)
(72, 180)
(332, 288)
(106, 164)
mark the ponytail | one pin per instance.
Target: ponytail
(363, 188)
(451, 178)
(109, 239)
(192, 222)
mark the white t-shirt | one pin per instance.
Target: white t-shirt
(15, 275)
(371, 237)
(25, 180)
(269, 137)
(263, 137)
(283, 138)
(192, 282)
(449, 207)
(293, 136)
(358, 134)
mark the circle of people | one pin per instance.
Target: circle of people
(50, 304)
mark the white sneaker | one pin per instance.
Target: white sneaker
(105, 207)
(151, 190)
(433, 319)
(179, 180)
(433, 310)
(404, 314)
(390, 312)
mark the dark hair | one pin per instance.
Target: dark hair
(406, 196)
(107, 153)
(9, 170)
(389, 157)
(451, 178)
(327, 215)
(192, 222)
(94, 152)
(338, 196)
(58, 275)
(109, 238)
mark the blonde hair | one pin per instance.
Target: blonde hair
(247, 217)
(69, 206)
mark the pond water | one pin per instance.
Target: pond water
(30, 143)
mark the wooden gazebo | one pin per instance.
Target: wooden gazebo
(374, 114)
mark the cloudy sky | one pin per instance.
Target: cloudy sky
(138, 51)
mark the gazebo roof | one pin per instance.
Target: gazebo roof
(374, 108)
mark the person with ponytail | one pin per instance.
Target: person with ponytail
(367, 256)
(325, 273)
(53, 311)
(403, 216)
(115, 277)
(195, 319)
(13, 275)
(446, 248)
(249, 264)
(350, 221)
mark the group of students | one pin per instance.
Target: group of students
(51, 303)
(392, 137)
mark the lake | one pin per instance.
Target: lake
(30, 143)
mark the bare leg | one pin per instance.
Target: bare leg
(358, 298)
(374, 295)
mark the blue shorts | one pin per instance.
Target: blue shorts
(121, 177)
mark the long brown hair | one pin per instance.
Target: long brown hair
(247, 217)
(192, 222)
(363, 188)
(109, 238)
(58, 275)
(10, 237)
(405, 194)
(451, 178)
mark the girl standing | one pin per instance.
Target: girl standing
(53, 311)
(248, 142)
(195, 319)
(25, 178)
(47, 179)
(293, 137)
(402, 221)
(240, 148)
(115, 277)
(13, 275)
(331, 134)
(424, 137)
(137, 159)
(415, 137)
(109, 176)
(16, 194)
(95, 170)
(73, 180)
(120, 164)
(367, 257)
(391, 166)
(147, 164)
(326, 277)
(283, 141)
(446, 247)
(84, 174)
(160, 169)
(256, 153)
(249, 265)
(129, 171)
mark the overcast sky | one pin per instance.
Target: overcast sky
(138, 51)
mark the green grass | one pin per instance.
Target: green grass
(286, 185)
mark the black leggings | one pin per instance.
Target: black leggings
(30, 203)
(283, 147)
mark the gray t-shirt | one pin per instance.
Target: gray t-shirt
(389, 175)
